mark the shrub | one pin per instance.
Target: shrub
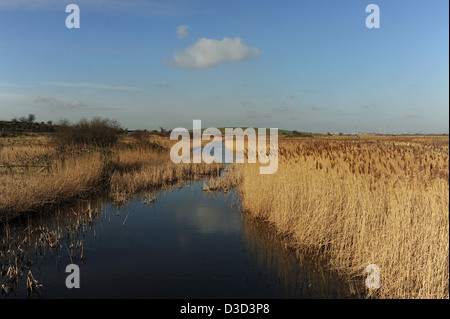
(98, 131)
(140, 135)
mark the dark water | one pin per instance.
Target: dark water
(186, 244)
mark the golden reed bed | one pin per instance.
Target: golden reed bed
(360, 202)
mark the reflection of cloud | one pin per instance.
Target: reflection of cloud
(207, 53)
(208, 219)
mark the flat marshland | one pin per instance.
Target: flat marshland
(350, 201)
(361, 201)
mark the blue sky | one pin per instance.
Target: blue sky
(306, 65)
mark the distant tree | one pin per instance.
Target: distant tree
(31, 118)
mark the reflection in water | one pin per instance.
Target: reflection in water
(186, 244)
(298, 276)
(27, 244)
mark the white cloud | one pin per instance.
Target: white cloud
(182, 31)
(207, 53)
(93, 86)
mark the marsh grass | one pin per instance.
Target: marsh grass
(65, 180)
(362, 202)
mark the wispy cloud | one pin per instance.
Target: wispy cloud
(182, 31)
(55, 103)
(206, 53)
(92, 86)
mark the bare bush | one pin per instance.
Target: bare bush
(98, 131)
(140, 135)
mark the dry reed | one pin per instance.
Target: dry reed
(361, 203)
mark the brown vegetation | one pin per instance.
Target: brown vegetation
(35, 176)
(353, 201)
(360, 202)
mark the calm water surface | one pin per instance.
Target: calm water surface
(186, 244)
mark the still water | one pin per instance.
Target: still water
(185, 244)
